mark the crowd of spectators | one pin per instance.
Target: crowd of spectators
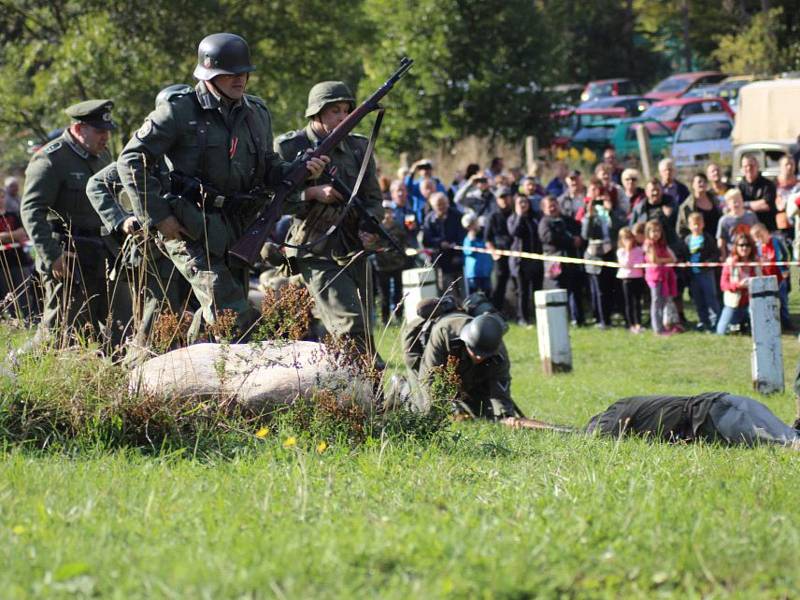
(607, 215)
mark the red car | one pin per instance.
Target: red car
(602, 88)
(680, 83)
(672, 112)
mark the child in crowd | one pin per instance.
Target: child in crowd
(477, 265)
(702, 248)
(638, 233)
(661, 280)
(390, 263)
(630, 254)
(770, 249)
(734, 282)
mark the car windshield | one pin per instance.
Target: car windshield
(598, 90)
(588, 134)
(663, 113)
(655, 129)
(672, 84)
(706, 130)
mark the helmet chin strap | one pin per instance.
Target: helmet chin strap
(223, 94)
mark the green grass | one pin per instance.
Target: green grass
(482, 512)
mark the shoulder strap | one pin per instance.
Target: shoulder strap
(202, 137)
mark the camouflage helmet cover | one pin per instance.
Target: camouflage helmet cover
(327, 92)
(222, 54)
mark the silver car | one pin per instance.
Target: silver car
(702, 138)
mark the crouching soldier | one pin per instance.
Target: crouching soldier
(475, 346)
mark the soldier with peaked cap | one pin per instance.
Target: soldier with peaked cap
(334, 267)
(218, 140)
(71, 254)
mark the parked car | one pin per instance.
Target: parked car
(677, 85)
(608, 87)
(633, 105)
(701, 136)
(626, 143)
(595, 136)
(672, 112)
(570, 121)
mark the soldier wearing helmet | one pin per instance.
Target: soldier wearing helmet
(333, 265)
(482, 365)
(218, 140)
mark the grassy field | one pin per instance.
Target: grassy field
(481, 512)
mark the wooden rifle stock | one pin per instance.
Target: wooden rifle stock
(248, 247)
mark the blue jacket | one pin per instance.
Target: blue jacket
(476, 264)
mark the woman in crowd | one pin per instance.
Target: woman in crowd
(597, 230)
(632, 194)
(734, 282)
(700, 201)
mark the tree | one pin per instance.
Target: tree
(480, 69)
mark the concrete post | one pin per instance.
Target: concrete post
(418, 284)
(646, 154)
(552, 327)
(767, 358)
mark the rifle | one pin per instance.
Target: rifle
(367, 222)
(248, 247)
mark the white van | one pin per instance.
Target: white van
(767, 123)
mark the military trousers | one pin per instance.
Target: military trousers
(155, 284)
(343, 298)
(217, 285)
(86, 302)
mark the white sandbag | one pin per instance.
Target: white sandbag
(261, 375)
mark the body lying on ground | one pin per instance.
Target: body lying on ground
(710, 416)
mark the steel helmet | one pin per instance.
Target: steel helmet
(483, 334)
(327, 92)
(222, 54)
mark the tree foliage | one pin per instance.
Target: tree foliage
(481, 65)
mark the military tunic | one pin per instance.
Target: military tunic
(228, 147)
(339, 283)
(58, 216)
(485, 388)
(149, 272)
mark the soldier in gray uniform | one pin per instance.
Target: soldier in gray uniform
(482, 364)
(71, 254)
(218, 140)
(334, 266)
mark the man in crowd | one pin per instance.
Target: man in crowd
(531, 191)
(441, 233)
(71, 255)
(657, 206)
(758, 192)
(476, 195)
(419, 173)
(497, 237)
(335, 269)
(610, 160)
(572, 199)
(218, 138)
(403, 214)
(560, 236)
(676, 191)
(558, 184)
